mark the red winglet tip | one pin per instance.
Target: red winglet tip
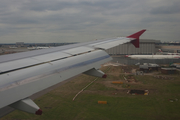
(136, 37)
(38, 112)
(126, 56)
(104, 76)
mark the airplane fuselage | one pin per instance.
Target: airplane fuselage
(153, 56)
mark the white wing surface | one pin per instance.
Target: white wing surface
(24, 74)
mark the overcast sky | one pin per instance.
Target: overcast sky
(85, 20)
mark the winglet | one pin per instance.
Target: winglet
(136, 37)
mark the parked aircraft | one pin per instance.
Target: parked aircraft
(36, 48)
(12, 47)
(167, 53)
(153, 56)
(24, 74)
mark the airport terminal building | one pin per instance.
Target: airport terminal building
(147, 47)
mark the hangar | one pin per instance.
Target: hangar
(147, 47)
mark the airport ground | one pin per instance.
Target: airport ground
(162, 102)
(5, 50)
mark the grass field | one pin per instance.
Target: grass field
(58, 104)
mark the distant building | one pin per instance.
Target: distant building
(147, 47)
(20, 44)
(168, 71)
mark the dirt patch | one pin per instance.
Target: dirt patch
(109, 84)
(163, 77)
(138, 92)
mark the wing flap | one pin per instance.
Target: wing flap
(78, 50)
(28, 62)
(7, 66)
(51, 56)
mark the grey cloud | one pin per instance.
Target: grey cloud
(58, 5)
(168, 9)
(88, 10)
(72, 22)
(18, 20)
(164, 18)
(95, 18)
(45, 5)
(105, 7)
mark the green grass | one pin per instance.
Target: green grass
(58, 104)
(86, 107)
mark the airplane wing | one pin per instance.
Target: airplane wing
(24, 74)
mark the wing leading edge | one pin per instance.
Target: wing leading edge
(29, 74)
